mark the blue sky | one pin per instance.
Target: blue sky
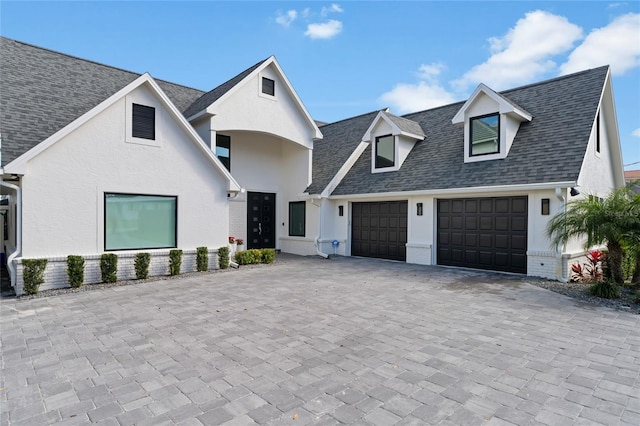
(348, 58)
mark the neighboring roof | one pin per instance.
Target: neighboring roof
(42, 91)
(329, 154)
(630, 175)
(210, 97)
(550, 148)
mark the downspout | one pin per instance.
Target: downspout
(317, 239)
(560, 247)
(18, 250)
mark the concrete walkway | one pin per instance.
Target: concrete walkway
(313, 341)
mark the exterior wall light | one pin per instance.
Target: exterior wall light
(419, 209)
(340, 210)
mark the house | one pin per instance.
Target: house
(98, 159)
(632, 179)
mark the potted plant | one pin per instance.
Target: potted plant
(240, 244)
(232, 245)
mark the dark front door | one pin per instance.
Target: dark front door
(261, 220)
(483, 233)
(379, 230)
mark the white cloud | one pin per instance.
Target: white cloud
(616, 44)
(430, 72)
(334, 8)
(286, 19)
(524, 53)
(427, 93)
(636, 132)
(306, 12)
(324, 30)
(614, 5)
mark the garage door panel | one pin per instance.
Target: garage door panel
(380, 229)
(485, 233)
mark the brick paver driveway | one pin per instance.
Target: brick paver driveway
(318, 341)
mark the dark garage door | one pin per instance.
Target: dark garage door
(379, 230)
(483, 233)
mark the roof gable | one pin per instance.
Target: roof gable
(207, 104)
(43, 91)
(18, 166)
(505, 105)
(399, 126)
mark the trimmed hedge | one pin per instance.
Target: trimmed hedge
(33, 274)
(109, 267)
(142, 265)
(254, 256)
(202, 259)
(223, 257)
(75, 270)
(175, 261)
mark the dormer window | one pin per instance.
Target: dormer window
(385, 151)
(484, 135)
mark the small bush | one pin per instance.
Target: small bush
(268, 255)
(75, 270)
(109, 267)
(223, 257)
(605, 289)
(248, 257)
(202, 259)
(33, 274)
(636, 297)
(175, 261)
(142, 265)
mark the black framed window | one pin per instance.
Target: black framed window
(223, 150)
(484, 135)
(598, 133)
(135, 221)
(268, 86)
(144, 122)
(297, 210)
(385, 151)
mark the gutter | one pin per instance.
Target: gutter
(316, 240)
(560, 247)
(18, 250)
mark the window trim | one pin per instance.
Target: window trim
(104, 221)
(273, 86)
(228, 158)
(479, 117)
(304, 219)
(142, 108)
(375, 159)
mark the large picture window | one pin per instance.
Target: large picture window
(135, 222)
(485, 135)
(297, 219)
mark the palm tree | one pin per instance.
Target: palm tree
(633, 234)
(602, 221)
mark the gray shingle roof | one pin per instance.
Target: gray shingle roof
(329, 154)
(550, 148)
(405, 124)
(210, 97)
(41, 91)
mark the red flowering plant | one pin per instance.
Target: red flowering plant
(240, 241)
(232, 240)
(591, 271)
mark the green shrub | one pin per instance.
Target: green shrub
(223, 257)
(75, 270)
(268, 255)
(175, 261)
(248, 257)
(605, 289)
(33, 274)
(109, 267)
(629, 262)
(202, 259)
(142, 265)
(636, 297)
